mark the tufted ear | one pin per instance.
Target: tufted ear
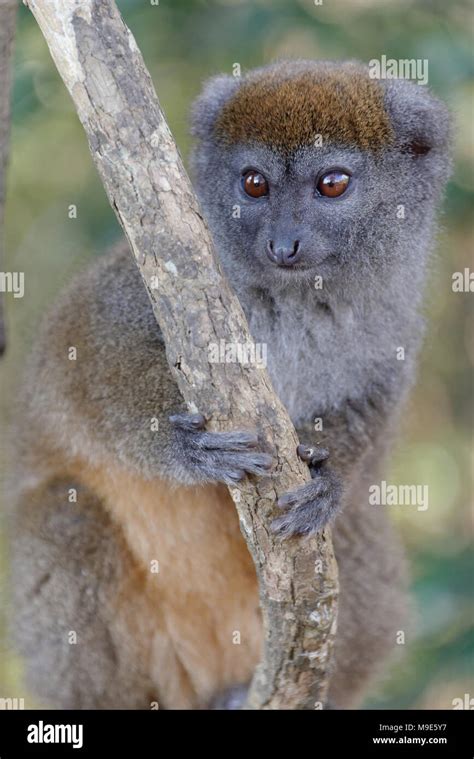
(205, 109)
(420, 121)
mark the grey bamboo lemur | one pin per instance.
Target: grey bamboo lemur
(335, 178)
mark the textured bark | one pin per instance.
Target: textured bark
(8, 9)
(148, 187)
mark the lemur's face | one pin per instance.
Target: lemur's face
(294, 215)
(308, 169)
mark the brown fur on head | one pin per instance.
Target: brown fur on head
(288, 107)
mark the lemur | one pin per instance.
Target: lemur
(337, 177)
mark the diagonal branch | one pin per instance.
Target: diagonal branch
(148, 187)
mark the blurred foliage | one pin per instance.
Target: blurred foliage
(183, 43)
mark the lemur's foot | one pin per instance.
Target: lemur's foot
(219, 456)
(312, 506)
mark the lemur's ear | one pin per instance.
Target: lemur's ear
(205, 109)
(420, 121)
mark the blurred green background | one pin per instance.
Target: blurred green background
(183, 43)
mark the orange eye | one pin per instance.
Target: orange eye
(254, 184)
(333, 184)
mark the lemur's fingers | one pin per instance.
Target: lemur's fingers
(220, 456)
(188, 421)
(252, 463)
(310, 507)
(224, 441)
(229, 467)
(307, 492)
(229, 441)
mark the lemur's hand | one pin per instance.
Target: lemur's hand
(218, 456)
(312, 506)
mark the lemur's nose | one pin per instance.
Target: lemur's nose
(283, 254)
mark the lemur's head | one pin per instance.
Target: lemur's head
(314, 168)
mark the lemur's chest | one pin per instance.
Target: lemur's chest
(315, 359)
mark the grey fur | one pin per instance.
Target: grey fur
(331, 354)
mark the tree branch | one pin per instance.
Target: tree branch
(8, 10)
(148, 187)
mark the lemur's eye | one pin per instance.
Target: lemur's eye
(333, 184)
(254, 184)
